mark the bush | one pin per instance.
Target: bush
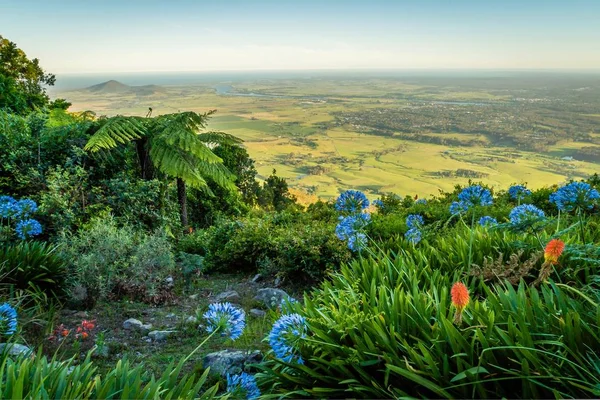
(33, 266)
(111, 261)
(38, 377)
(384, 329)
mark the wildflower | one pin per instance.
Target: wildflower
(575, 195)
(352, 201)
(65, 332)
(286, 306)
(8, 319)
(525, 214)
(413, 235)
(378, 203)
(460, 300)
(475, 196)
(357, 241)
(458, 207)
(348, 226)
(421, 201)
(84, 335)
(25, 208)
(414, 221)
(88, 325)
(244, 383)
(553, 250)
(8, 207)
(518, 192)
(28, 228)
(286, 332)
(488, 221)
(225, 316)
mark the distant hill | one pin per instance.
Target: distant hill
(113, 86)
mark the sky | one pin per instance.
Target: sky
(99, 36)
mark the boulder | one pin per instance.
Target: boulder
(271, 297)
(133, 324)
(231, 296)
(256, 313)
(160, 336)
(231, 361)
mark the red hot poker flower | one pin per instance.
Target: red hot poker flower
(460, 295)
(553, 250)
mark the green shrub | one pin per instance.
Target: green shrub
(40, 378)
(107, 260)
(35, 266)
(384, 329)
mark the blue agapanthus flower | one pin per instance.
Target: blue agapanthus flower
(575, 195)
(458, 207)
(243, 384)
(378, 203)
(284, 337)
(352, 201)
(518, 192)
(224, 316)
(525, 213)
(421, 201)
(475, 196)
(413, 235)
(350, 225)
(357, 242)
(8, 320)
(25, 208)
(414, 221)
(28, 228)
(8, 207)
(488, 221)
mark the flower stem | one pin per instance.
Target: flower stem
(471, 241)
(581, 226)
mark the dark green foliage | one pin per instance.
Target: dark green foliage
(274, 195)
(238, 161)
(34, 266)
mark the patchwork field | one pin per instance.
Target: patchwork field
(401, 135)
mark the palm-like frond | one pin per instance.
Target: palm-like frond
(218, 173)
(116, 130)
(177, 163)
(220, 138)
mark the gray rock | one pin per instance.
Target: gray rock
(133, 324)
(194, 297)
(191, 320)
(171, 316)
(256, 313)
(231, 361)
(81, 314)
(256, 278)
(231, 296)
(160, 336)
(15, 349)
(169, 281)
(271, 297)
(277, 282)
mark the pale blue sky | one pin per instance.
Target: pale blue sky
(130, 35)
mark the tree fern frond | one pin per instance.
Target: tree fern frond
(219, 138)
(218, 173)
(178, 164)
(116, 130)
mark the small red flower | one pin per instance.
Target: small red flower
(84, 335)
(88, 325)
(553, 250)
(64, 333)
(460, 295)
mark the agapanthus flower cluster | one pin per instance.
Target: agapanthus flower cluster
(349, 229)
(8, 320)
(421, 201)
(413, 235)
(358, 242)
(475, 196)
(415, 221)
(378, 203)
(525, 214)
(458, 207)
(488, 221)
(575, 195)
(227, 318)
(28, 228)
(8, 207)
(352, 201)
(284, 337)
(518, 192)
(244, 383)
(25, 208)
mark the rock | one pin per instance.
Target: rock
(171, 316)
(191, 320)
(256, 313)
(231, 361)
(169, 281)
(81, 314)
(15, 349)
(201, 328)
(194, 297)
(277, 282)
(271, 297)
(256, 278)
(231, 296)
(160, 336)
(146, 339)
(133, 324)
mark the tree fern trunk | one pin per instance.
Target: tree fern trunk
(146, 167)
(182, 197)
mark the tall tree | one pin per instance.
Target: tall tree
(173, 145)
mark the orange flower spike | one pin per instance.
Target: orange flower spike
(553, 250)
(460, 296)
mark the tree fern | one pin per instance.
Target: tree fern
(115, 131)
